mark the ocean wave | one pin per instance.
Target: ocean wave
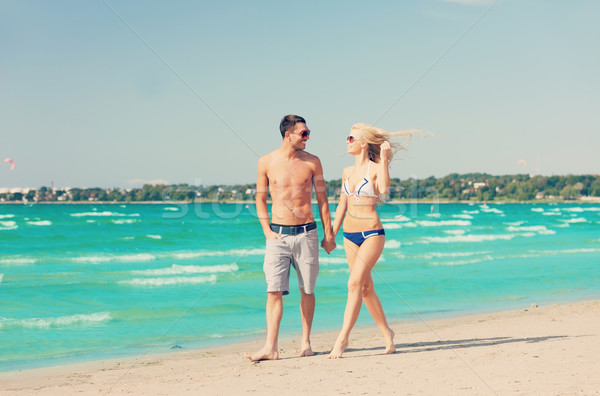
(470, 211)
(104, 214)
(62, 321)
(393, 226)
(335, 270)
(124, 257)
(461, 262)
(1, 277)
(575, 220)
(211, 253)
(491, 210)
(6, 216)
(188, 269)
(467, 238)
(537, 209)
(177, 280)
(392, 244)
(436, 215)
(397, 218)
(171, 209)
(540, 229)
(8, 225)
(154, 236)
(125, 221)
(462, 216)
(580, 210)
(443, 223)
(552, 213)
(40, 223)
(570, 251)
(454, 232)
(17, 261)
(453, 254)
(333, 260)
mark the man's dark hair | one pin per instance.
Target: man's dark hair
(288, 122)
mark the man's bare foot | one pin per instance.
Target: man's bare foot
(389, 342)
(338, 349)
(263, 354)
(306, 350)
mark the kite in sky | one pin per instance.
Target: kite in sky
(12, 163)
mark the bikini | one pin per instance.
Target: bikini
(366, 189)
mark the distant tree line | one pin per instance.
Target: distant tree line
(454, 187)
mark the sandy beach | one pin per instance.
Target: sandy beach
(546, 350)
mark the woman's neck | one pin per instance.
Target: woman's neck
(361, 159)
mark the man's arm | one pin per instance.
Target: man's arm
(321, 193)
(262, 190)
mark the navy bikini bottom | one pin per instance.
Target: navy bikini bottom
(358, 238)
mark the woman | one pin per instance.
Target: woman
(364, 236)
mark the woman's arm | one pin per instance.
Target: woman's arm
(340, 212)
(383, 171)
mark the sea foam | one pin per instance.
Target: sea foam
(462, 262)
(188, 269)
(62, 321)
(210, 253)
(428, 223)
(124, 257)
(333, 260)
(540, 229)
(392, 244)
(40, 223)
(104, 214)
(6, 216)
(462, 216)
(467, 238)
(177, 280)
(454, 254)
(8, 225)
(17, 261)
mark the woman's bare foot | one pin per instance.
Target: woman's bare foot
(263, 354)
(389, 342)
(338, 349)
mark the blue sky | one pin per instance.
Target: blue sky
(113, 93)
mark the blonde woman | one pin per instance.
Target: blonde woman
(364, 236)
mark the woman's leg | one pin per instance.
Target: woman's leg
(360, 260)
(376, 310)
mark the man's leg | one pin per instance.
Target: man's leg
(274, 313)
(307, 310)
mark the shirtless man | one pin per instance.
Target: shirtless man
(289, 174)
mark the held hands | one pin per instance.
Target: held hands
(385, 152)
(328, 244)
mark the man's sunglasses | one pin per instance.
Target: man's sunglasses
(351, 139)
(304, 134)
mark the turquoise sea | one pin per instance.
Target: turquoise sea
(91, 281)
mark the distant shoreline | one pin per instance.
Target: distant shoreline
(591, 200)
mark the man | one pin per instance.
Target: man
(289, 174)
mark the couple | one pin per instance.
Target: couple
(289, 174)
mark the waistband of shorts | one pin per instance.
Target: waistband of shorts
(293, 230)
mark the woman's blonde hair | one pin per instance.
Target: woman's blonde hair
(375, 137)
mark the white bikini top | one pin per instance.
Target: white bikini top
(365, 187)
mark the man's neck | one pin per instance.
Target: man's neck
(289, 151)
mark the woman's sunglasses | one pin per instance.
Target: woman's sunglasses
(351, 139)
